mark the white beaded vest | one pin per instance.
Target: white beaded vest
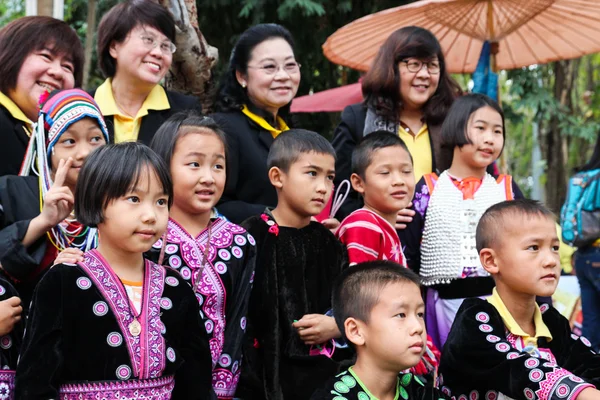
(448, 245)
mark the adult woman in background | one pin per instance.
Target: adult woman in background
(37, 55)
(135, 52)
(252, 108)
(407, 91)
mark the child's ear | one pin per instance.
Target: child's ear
(357, 183)
(354, 334)
(276, 177)
(488, 260)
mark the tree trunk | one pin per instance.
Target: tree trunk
(89, 42)
(555, 142)
(191, 69)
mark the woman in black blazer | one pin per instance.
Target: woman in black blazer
(135, 52)
(37, 55)
(253, 104)
(408, 92)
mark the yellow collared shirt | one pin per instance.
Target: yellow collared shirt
(419, 147)
(264, 124)
(16, 112)
(541, 330)
(126, 127)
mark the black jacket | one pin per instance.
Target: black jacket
(248, 189)
(13, 143)
(349, 133)
(155, 118)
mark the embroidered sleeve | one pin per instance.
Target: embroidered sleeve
(363, 239)
(411, 236)
(421, 198)
(478, 361)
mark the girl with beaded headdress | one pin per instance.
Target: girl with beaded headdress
(440, 241)
(36, 209)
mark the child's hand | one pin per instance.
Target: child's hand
(316, 328)
(404, 217)
(10, 314)
(59, 200)
(331, 223)
(69, 256)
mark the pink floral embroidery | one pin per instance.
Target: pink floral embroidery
(264, 217)
(274, 229)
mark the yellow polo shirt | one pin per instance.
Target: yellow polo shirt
(16, 112)
(127, 128)
(541, 330)
(420, 148)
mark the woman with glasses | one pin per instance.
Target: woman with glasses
(253, 105)
(135, 51)
(407, 91)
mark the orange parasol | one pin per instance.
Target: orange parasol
(526, 31)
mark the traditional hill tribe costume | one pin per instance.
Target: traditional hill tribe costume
(219, 265)
(440, 242)
(295, 269)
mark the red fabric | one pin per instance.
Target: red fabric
(368, 237)
(468, 186)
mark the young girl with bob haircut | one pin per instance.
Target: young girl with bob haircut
(116, 325)
(440, 241)
(214, 255)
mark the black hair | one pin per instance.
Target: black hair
(594, 162)
(362, 156)
(231, 96)
(356, 290)
(109, 173)
(492, 220)
(179, 125)
(455, 127)
(290, 145)
(122, 19)
(381, 84)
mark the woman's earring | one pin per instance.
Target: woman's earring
(243, 85)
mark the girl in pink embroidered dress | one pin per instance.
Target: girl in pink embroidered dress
(214, 255)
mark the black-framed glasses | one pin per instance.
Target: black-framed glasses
(167, 47)
(414, 65)
(291, 67)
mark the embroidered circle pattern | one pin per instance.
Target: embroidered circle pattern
(544, 307)
(341, 387)
(221, 267)
(171, 248)
(123, 372)
(532, 363)
(585, 341)
(251, 240)
(491, 395)
(349, 381)
(5, 342)
(446, 390)
(462, 397)
(235, 367)
(474, 395)
(529, 393)
(186, 273)
(493, 338)
(83, 283)
(237, 252)
(574, 336)
(157, 244)
(224, 254)
(163, 328)
(170, 354)
(175, 262)
(243, 323)
(502, 347)
(536, 375)
(485, 328)
(240, 240)
(563, 391)
(576, 379)
(363, 396)
(100, 308)
(114, 339)
(209, 325)
(482, 317)
(171, 281)
(512, 355)
(225, 360)
(166, 303)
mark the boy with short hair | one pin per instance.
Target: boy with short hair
(508, 345)
(382, 172)
(379, 309)
(291, 347)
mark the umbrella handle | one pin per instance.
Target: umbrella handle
(339, 197)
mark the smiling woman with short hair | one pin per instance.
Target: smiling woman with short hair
(135, 51)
